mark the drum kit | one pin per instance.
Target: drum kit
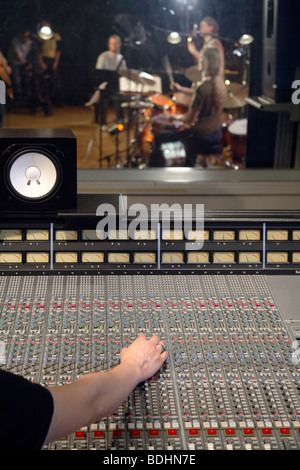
(149, 113)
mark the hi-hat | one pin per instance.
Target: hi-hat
(146, 78)
(232, 101)
(141, 78)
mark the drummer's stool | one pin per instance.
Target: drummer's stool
(208, 155)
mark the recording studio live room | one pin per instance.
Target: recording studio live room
(149, 228)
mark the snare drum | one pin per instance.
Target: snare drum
(162, 102)
(161, 123)
(238, 138)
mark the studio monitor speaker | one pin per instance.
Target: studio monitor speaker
(281, 48)
(38, 170)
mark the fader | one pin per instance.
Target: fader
(231, 380)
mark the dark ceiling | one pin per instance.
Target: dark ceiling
(86, 25)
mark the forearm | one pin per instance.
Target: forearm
(184, 89)
(57, 58)
(90, 398)
(94, 396)
(189, 117)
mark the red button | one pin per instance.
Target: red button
(212, 432)
(98, 434)
(266, 431)
(153, 432)
(79, 435)
(172, 432)
(284, 431)
(230, 432)
(117, 433)
(135, 433)
(248, 431)
(193, 432)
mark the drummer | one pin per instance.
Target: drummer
(203, 119)
(209, 30)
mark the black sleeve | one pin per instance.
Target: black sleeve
(26, 411)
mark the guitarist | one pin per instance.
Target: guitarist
(5, 72)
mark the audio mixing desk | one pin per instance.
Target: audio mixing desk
(228, 314)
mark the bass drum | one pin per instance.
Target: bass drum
(159, 123)
(145, 142)
(238, 139)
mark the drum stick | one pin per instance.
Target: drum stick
(168, 69)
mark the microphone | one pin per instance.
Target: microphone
(194, 33)
(195, 30)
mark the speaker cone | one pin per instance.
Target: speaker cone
(33, 175)
(38, 171)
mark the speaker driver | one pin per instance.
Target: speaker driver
(33, 175)
(38, 172)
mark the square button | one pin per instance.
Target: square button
(266, 431)
(248, 432)
(284, 431)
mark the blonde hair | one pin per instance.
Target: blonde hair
(115, 36)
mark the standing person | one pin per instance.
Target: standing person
(209, 30)
(49, 59)
(20, 60)
(5, 72)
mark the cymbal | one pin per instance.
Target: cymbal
(193, 74)
(232, 101)
(137, 76)
(137, 105)
(147, 78)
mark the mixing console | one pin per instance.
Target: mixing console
(232, 378)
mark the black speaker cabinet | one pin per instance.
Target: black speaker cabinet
(38, 170)
(281, 48)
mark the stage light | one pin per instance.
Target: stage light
(44, 32)
(246, 39)
(174, 38)
(116, 129)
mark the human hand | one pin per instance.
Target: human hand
(175, 86)
(144, 356)
(192, 48)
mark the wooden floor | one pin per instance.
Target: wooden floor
(96, 148)
(81, 121)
